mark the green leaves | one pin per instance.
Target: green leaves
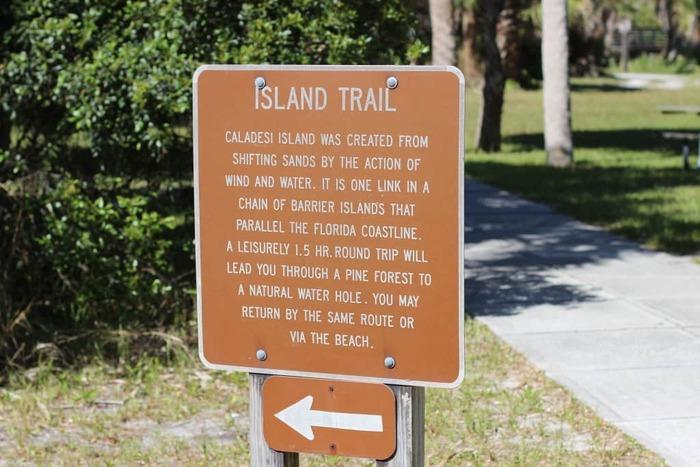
(112, 261)
(119, 73)
(325, 31)
(95, 141)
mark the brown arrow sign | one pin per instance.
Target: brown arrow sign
(329, 417)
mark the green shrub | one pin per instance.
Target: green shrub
(110, 257)
(96, 220)
(328, 31)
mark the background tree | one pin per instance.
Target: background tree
(555, 71)
(667, 19)
(497, 41)
(488, 129)
(518, 40)
(443, 38)
(694, 31)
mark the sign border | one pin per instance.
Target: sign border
(460, 227)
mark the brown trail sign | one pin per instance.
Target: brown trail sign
(329, 224)
(329, 221)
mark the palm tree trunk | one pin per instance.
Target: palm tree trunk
(555, 71)
(443, 39)
(468, 57)
(694, 31)
(664, 10)
(488, 131)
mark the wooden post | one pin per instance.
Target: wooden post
(624, 27)
(410, 428)
(625, 52)
(260, 453)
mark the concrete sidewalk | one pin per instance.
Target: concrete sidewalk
(617, 324)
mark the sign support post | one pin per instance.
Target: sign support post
(410, 428)
(261, 455)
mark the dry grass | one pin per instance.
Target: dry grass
(505, 413)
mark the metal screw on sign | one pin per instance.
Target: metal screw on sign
(389, 362)
(259, 82)
(261, 355)
(392, 82)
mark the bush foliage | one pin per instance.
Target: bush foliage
(95, 144)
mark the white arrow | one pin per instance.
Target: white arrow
(300, 417)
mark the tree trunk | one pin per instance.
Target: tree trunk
(694, 32)
(468, 59)
(488, 130)
(664, 11)
(443, 40)
(625, 52)
(508, 30)
(610, 22)
(5, 128)
(599, 28)
(555, 71)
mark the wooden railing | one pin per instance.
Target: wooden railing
(641, 40)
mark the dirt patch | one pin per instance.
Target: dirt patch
(4, 439)
(553, 434)
(212, 426)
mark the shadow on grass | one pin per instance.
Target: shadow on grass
(607, 197)
(512, 244)
(600, 87)
(628, 139)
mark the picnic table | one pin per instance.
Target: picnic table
(683, 135)
(679, 109)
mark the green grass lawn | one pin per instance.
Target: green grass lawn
(150, 413)
(626, 177)
(654, 63)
